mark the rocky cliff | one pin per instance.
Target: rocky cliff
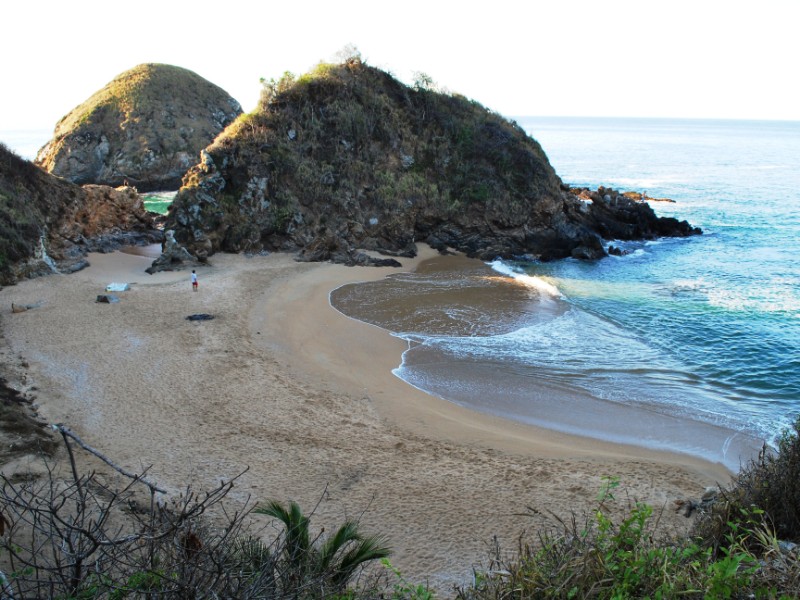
(347, 158)
(48, 224)
(144, 129)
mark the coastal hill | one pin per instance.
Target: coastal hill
(145, 128)
(346, 158)
(48, 224)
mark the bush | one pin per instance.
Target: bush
(772, 483)
(598, 556)
(79, 537)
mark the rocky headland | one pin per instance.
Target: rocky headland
(48, 224)
(145, 129)
(346, 159)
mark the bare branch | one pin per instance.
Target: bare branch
(67, 432)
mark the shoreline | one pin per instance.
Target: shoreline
(283, 383)
(424, 412)
(540, 404)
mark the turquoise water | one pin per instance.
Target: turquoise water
(724, 307)
(158, 202)
(688, 344)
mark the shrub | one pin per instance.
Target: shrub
(772, 483)
(598, 556)
(79, 537)
(768, 486)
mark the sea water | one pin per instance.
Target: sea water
(724, 307)
(639, 348)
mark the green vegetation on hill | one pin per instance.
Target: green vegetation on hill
(346, 158)
(143, 89)
(18, 220)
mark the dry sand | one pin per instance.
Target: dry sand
(282, 383)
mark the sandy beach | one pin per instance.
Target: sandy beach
(282, 383)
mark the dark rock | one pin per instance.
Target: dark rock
(173, 256)
(591, 249)
(624, 217)
(200, 317)
(21, 430)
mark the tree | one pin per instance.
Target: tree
(423, 81)
(349, 54)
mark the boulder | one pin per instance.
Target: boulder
(173, 255)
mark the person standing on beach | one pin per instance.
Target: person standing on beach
(194, 281)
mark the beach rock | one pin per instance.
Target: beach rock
(688, 506)
(173, 255)
(418, 165)
(145, 129)
(787, 547)
(22, 431)
(200, 317)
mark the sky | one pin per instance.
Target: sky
(619, 58)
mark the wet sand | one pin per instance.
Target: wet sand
(284, 384)
(450, 305)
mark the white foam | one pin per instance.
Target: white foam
(646, 182)
(771, 301)
(530, 281)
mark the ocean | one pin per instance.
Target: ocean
(689, 345)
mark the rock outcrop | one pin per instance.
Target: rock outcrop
(347, 158)
(144, 129)
(48, 225)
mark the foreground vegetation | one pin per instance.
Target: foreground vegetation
(80, 537)
(742, 546)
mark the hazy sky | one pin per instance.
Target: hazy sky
(697, 58)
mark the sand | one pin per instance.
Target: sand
(281, 383)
